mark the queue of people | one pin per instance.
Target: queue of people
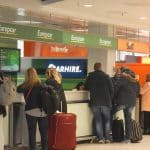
(107, 96)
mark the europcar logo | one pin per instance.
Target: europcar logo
(44, 35)
(65, 68)
(7, 30)
(77, 39)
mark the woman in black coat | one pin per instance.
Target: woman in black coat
(31, 89)
(54, 79)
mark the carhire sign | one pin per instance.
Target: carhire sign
(69, 68)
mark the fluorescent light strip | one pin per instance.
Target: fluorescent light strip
(27, 22)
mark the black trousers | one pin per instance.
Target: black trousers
(147, 121)
(43, 128)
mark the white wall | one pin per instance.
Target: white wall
(25, 64)
(110, 64)
(106, 57)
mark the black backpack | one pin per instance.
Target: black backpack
(47, 102)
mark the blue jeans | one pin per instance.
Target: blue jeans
(43, 128)
(102, 120)
(127, 116)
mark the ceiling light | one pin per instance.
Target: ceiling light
(26, 22)
(121, 35)
(143, 18)
(21, 12)
(87, 3)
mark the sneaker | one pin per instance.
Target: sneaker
(94, 140)
(101, 142)
(107, 141)
(127, 141)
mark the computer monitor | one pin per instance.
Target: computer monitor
(9, 59)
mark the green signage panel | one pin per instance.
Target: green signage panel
(89, 40)
(49, 35)
(30, 33)
(73, 38)
(107, 42)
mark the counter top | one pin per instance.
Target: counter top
(77, 95)
(70, 96)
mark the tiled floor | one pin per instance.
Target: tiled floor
(143, 145)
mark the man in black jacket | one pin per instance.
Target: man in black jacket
(100, 87)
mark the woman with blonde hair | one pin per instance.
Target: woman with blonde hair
(31, 89)
(54, 79)
(53, 73)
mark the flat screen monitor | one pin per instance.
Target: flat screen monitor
(9, 59)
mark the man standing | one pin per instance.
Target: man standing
(101, 91)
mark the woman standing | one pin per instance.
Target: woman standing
(145, 104)
(31, 89)
(54, 79)
(2, 114)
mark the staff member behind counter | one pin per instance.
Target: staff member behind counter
(79, 87)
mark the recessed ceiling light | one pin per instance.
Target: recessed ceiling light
(143, 18)
(87, 3)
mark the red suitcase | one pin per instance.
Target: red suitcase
(62, 131)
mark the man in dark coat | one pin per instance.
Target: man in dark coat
(100, 87)
(126, 91)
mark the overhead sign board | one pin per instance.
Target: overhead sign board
(48, 35)
(69, 68)
(53, 50)
(133, 46)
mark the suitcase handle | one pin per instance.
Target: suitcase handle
(57, 111)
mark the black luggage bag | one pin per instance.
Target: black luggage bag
(136, 132)
(117, 130)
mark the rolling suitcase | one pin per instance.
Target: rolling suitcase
(62, 131)
(117, 130)
(136, 132)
